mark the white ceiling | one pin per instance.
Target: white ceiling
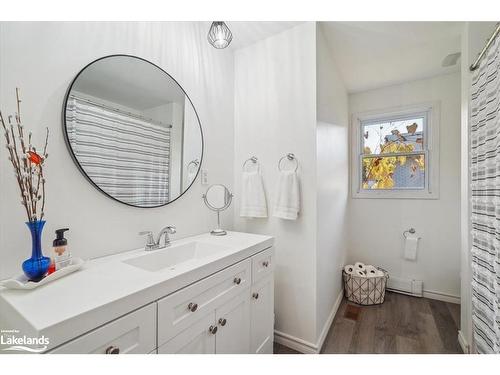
(377, 54)
(372, 54)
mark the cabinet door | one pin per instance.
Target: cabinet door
(262, 316)
(198, 338)
(233, 323)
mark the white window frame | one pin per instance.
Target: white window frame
(431, 112)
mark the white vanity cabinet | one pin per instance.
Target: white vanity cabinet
(178, 311)
(201, 295)
(226, 313)
(223, 331)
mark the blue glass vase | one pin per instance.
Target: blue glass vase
(37, 266)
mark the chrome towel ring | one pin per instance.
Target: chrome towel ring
(194, 162)
(290, 157)
(252, 159)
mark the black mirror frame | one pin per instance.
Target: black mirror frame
(73, 156)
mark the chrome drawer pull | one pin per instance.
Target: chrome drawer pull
(213, 330)
(192, 307)
(237, 280)
(222, 321)
(112, 350)
(255, 295)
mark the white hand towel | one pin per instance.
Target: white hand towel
(411, 245)
(287, 199)
(253, 197)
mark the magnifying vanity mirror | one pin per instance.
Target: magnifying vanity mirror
(218, 198)
(133, 131)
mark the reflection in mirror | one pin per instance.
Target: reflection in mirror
(218, 198)
(133, 131)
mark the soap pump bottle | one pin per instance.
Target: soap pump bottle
(61, 254)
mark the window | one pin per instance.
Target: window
(393, 153)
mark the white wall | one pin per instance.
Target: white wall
(42, 59)
(275, 113)
(376, 225)
(289, 97)
(474, 35)
(332, 181)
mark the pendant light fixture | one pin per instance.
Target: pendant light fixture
(219, 35)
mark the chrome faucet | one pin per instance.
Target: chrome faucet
(170, 229)
(151, 244)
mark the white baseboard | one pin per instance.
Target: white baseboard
(463, 343)
(295, 343)
(304, 346)
(431, 295)
(329, 321)
(442, 296)
(401, 285)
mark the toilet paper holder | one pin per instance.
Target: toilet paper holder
(410, 231)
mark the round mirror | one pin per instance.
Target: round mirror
(218, 198)
(133, 131)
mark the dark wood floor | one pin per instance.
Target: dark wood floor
(401, 325)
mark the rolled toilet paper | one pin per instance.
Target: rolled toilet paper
(376, 273)
(359, 273)
(360, 266)
(371, 270)
(349, 269)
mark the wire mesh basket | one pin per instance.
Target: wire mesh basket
(365, 290)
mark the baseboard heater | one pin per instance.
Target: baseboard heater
(406, 286)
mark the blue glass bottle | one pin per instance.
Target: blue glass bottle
(37, 266)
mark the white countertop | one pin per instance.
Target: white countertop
(106, 288)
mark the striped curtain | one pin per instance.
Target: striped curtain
(127, 157)
(485, 188)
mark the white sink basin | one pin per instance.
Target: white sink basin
(157, 260)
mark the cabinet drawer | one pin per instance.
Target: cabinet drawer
(262, 264)
(132, 333)
(181, 309)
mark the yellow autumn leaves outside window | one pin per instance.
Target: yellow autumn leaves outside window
(378, 171)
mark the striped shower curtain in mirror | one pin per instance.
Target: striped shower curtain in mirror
(125, 156)
(485, 190)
